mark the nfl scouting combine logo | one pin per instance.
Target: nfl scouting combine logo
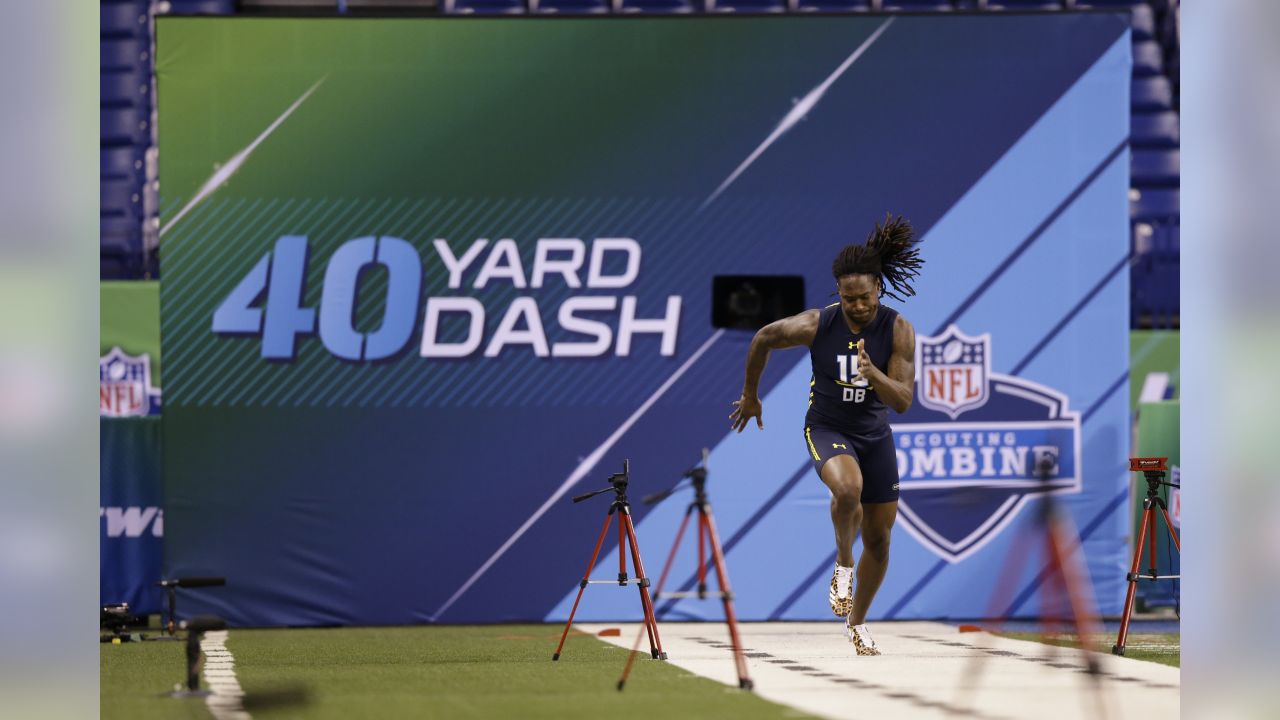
(977, 446)
(124, 385)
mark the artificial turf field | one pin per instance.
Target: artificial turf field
(492, 671)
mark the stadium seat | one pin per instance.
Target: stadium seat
(120, 235)
(485, 7)
(127, 161)
(1156, 293)
(196, 7)
(1154, 129)
(1157, 168)
(125, 54)
(1154, 205)
(917, 6)
(1167, 28)
(1147, 59)
(834, 6)
(125, 88)
(124, 19)
(571, 6)
(1021, 5)
(123, 126)
(747, 6)
(1151, 94)
(1144, 22)
(1168, 240)
(114, 266)
(660, 6)
(120, 198)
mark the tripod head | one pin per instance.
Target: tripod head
(696, 475)
(617, 484)
(1153, 469)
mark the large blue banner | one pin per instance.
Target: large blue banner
(413, 311)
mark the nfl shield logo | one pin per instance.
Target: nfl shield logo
(954, 369)
(124, 385)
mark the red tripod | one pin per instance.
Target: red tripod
(1066, 582)
(626, 534)
(708, 538)
(1154, 470)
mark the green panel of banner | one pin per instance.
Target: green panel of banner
(129, 349)
(1153, 354)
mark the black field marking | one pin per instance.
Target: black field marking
(1050, 662)
(802, 668)
(782, 661)
(897, 694)
(757, 654)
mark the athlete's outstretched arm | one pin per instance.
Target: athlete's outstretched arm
(897, 387)
(787, 332)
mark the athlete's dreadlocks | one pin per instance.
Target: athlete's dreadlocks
(889, 253)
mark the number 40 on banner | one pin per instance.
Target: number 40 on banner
(281, 274)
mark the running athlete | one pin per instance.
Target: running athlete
(863, 356)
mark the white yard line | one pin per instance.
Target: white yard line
(922, 673)
(225, 699)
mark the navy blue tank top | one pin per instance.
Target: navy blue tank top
(838, 397)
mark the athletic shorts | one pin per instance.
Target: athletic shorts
(876, 458)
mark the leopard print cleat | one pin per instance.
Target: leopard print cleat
(841, 595)
(861, 638)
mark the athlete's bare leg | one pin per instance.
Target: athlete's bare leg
(843, 477)
(877, 526)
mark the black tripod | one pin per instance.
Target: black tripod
(1153, 469)
(708, 538)
(626, 535)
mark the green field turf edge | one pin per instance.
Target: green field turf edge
(491, 671)
(1163, 648)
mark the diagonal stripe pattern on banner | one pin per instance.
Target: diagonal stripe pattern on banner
(1071, 314)
(224, 173)
(583, 468)
(1008, 262)
(798, 112)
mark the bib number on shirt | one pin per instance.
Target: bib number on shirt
(854, 385)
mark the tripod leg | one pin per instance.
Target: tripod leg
(1172, 533)
(671, 557)
(583, 586)
(645, 600)
(997, 611)
(726, 594)
(702, 556)
(622, 554)
(1118, 649)
(1152, 540)
(1053, 590)
(662, 581)
(1074, 580)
